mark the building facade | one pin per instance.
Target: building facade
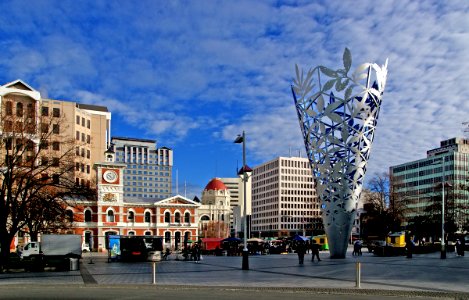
(215, 210)
(418, 184)
(149, 169)
(284, 200)
(83, 127)
(173, 218)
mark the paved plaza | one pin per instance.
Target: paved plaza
(424, 274)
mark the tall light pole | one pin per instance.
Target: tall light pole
(443, 249)
(242, 139)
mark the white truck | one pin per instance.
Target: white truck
(61, 251)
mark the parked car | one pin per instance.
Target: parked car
(373, 244)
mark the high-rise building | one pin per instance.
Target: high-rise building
(418, 189)
(284, 199)
(85, 127)
(149, 169)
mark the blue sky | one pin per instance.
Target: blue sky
(194, 74)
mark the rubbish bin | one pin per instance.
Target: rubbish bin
(74, 264)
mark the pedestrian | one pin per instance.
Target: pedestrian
(300, 250)
(315, 250)
(196, 253)
(458, 247)
(357, 248)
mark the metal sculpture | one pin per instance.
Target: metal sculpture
(338, 115)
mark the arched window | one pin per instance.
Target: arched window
(9, 108)
(147, 232)
(131, 233)
(30, 110)
(205, 218)
(110, 216)
(147, 217)
(177, 217)
(167, 237)
(187, 217)
(131, 216)
(167, 217)
(87, 215)
(19, 109)
(69, 214)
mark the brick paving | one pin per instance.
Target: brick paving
(422, 273)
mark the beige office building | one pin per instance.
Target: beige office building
(284, 200)
(88, 126)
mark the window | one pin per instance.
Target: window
(69, 215)
(44, 127)
(56, 146)
(44, 161)
(19, 109)
(77, 166)
(88, 123)
(187, 218)
(82, 152)
(45, 111)
(110, 216)
(30, 110)
(147, 217)
(177, 217)
(77, 135)
(9, 144)
(56, 112)
(131, 216)
(9, 108)
(55, 161)
(56, 179)
(56, 128)
(83, 122)
(88, 169)
(78, 120)
(82, 137)
(88, 153)
(167, 237)
(167, 217)
(88, 139)
(87, 215)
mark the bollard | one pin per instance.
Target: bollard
(154, 272)
(358, 275)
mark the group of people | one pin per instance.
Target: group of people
(302, 248)
(189, 253)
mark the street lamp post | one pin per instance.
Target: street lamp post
(443, 249)
(242, 139)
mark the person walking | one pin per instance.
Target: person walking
(196, 253)
(315, 250)
(300, 250)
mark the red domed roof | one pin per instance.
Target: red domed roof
(216, 184)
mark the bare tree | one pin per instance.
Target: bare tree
(37, 164)
(384, 209)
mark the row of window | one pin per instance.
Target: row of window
(110, 217)
(83, 120)
(84, 137)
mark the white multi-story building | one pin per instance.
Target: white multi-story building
(284, 200)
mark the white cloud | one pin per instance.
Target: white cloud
(227, 66)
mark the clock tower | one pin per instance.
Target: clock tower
(110, 180)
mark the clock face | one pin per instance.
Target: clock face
(110, 176)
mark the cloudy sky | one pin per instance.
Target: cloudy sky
(194, 74)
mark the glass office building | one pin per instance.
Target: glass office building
(149, 169)
(417, 184)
